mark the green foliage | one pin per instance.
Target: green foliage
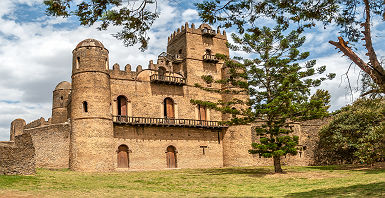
(356, 134)
(134, 17)
(278, 81)
(346, 14)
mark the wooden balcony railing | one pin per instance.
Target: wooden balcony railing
(167, 122)
(210, 58)
(208, 32)
(156, 78)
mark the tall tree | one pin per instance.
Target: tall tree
(279, 84)
(135, 17)
(353, 17)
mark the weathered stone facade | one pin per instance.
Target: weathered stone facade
(113, 119)
(17, 157)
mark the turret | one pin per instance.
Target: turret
(17, 128)
(60, 102)
(91, 146)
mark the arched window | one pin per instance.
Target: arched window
(169, 111)
(161, 71)
(171, 157)
(85, 106)
(180, 51)
(202, 112)
(77, 62)
(123, 156)
(122, 105)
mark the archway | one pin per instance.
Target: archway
(161, 72)
(123, 157)
(169, 111)
(122, 107)
(171, 157)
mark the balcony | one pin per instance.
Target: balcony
(164, 79)
(210, 58)
(167, 122)
(208, 32)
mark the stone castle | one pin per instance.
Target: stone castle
(112, 119)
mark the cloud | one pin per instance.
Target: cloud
(36, 55)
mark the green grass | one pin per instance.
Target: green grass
(325, 181)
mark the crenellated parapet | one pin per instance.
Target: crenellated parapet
(203, 29)
(36, 123)
(125, 74)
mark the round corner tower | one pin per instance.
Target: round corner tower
(91, 147)
(60, 102)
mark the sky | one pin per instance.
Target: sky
(36, 54)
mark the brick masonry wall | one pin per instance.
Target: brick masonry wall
(18, 157)
(51, 145)
(147, 146)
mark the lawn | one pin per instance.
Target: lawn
(321, 181)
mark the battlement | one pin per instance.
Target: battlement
(127, 74)
(203, 29)
(36, 123)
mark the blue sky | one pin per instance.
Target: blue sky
(36, 54)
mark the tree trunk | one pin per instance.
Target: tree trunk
(277, 164)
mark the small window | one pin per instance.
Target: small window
(77, 62)
(203, 149)
(208, 52)
(106, 64)
(180, 51)
(85, 106)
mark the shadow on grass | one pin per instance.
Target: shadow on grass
(359, 168)
(360, 190)
(253, 172)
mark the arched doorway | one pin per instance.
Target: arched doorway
(122, 108)
(123, 158)
(171, 157)
(161, 72)
(169, 111)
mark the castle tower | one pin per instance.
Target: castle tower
(91, 147)
(197, 48)
(60, 102)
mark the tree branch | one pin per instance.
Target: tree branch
(342, 45)
(368, 42)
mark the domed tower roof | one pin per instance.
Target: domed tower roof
(90, 43)
(63, 85)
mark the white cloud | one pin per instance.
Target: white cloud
(35, 56)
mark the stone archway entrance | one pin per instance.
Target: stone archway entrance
(171, 157)
(123, 159)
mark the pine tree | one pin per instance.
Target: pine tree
(279, 83)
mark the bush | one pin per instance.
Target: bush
(355, 135)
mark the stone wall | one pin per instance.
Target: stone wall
(51, 145)
(147, 146)
(36, 123)
(237, 141)
(18, 157)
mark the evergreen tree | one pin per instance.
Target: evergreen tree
(354, 18)
(279, 84)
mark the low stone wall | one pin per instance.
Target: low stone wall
(18, 157)
(51, 144)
